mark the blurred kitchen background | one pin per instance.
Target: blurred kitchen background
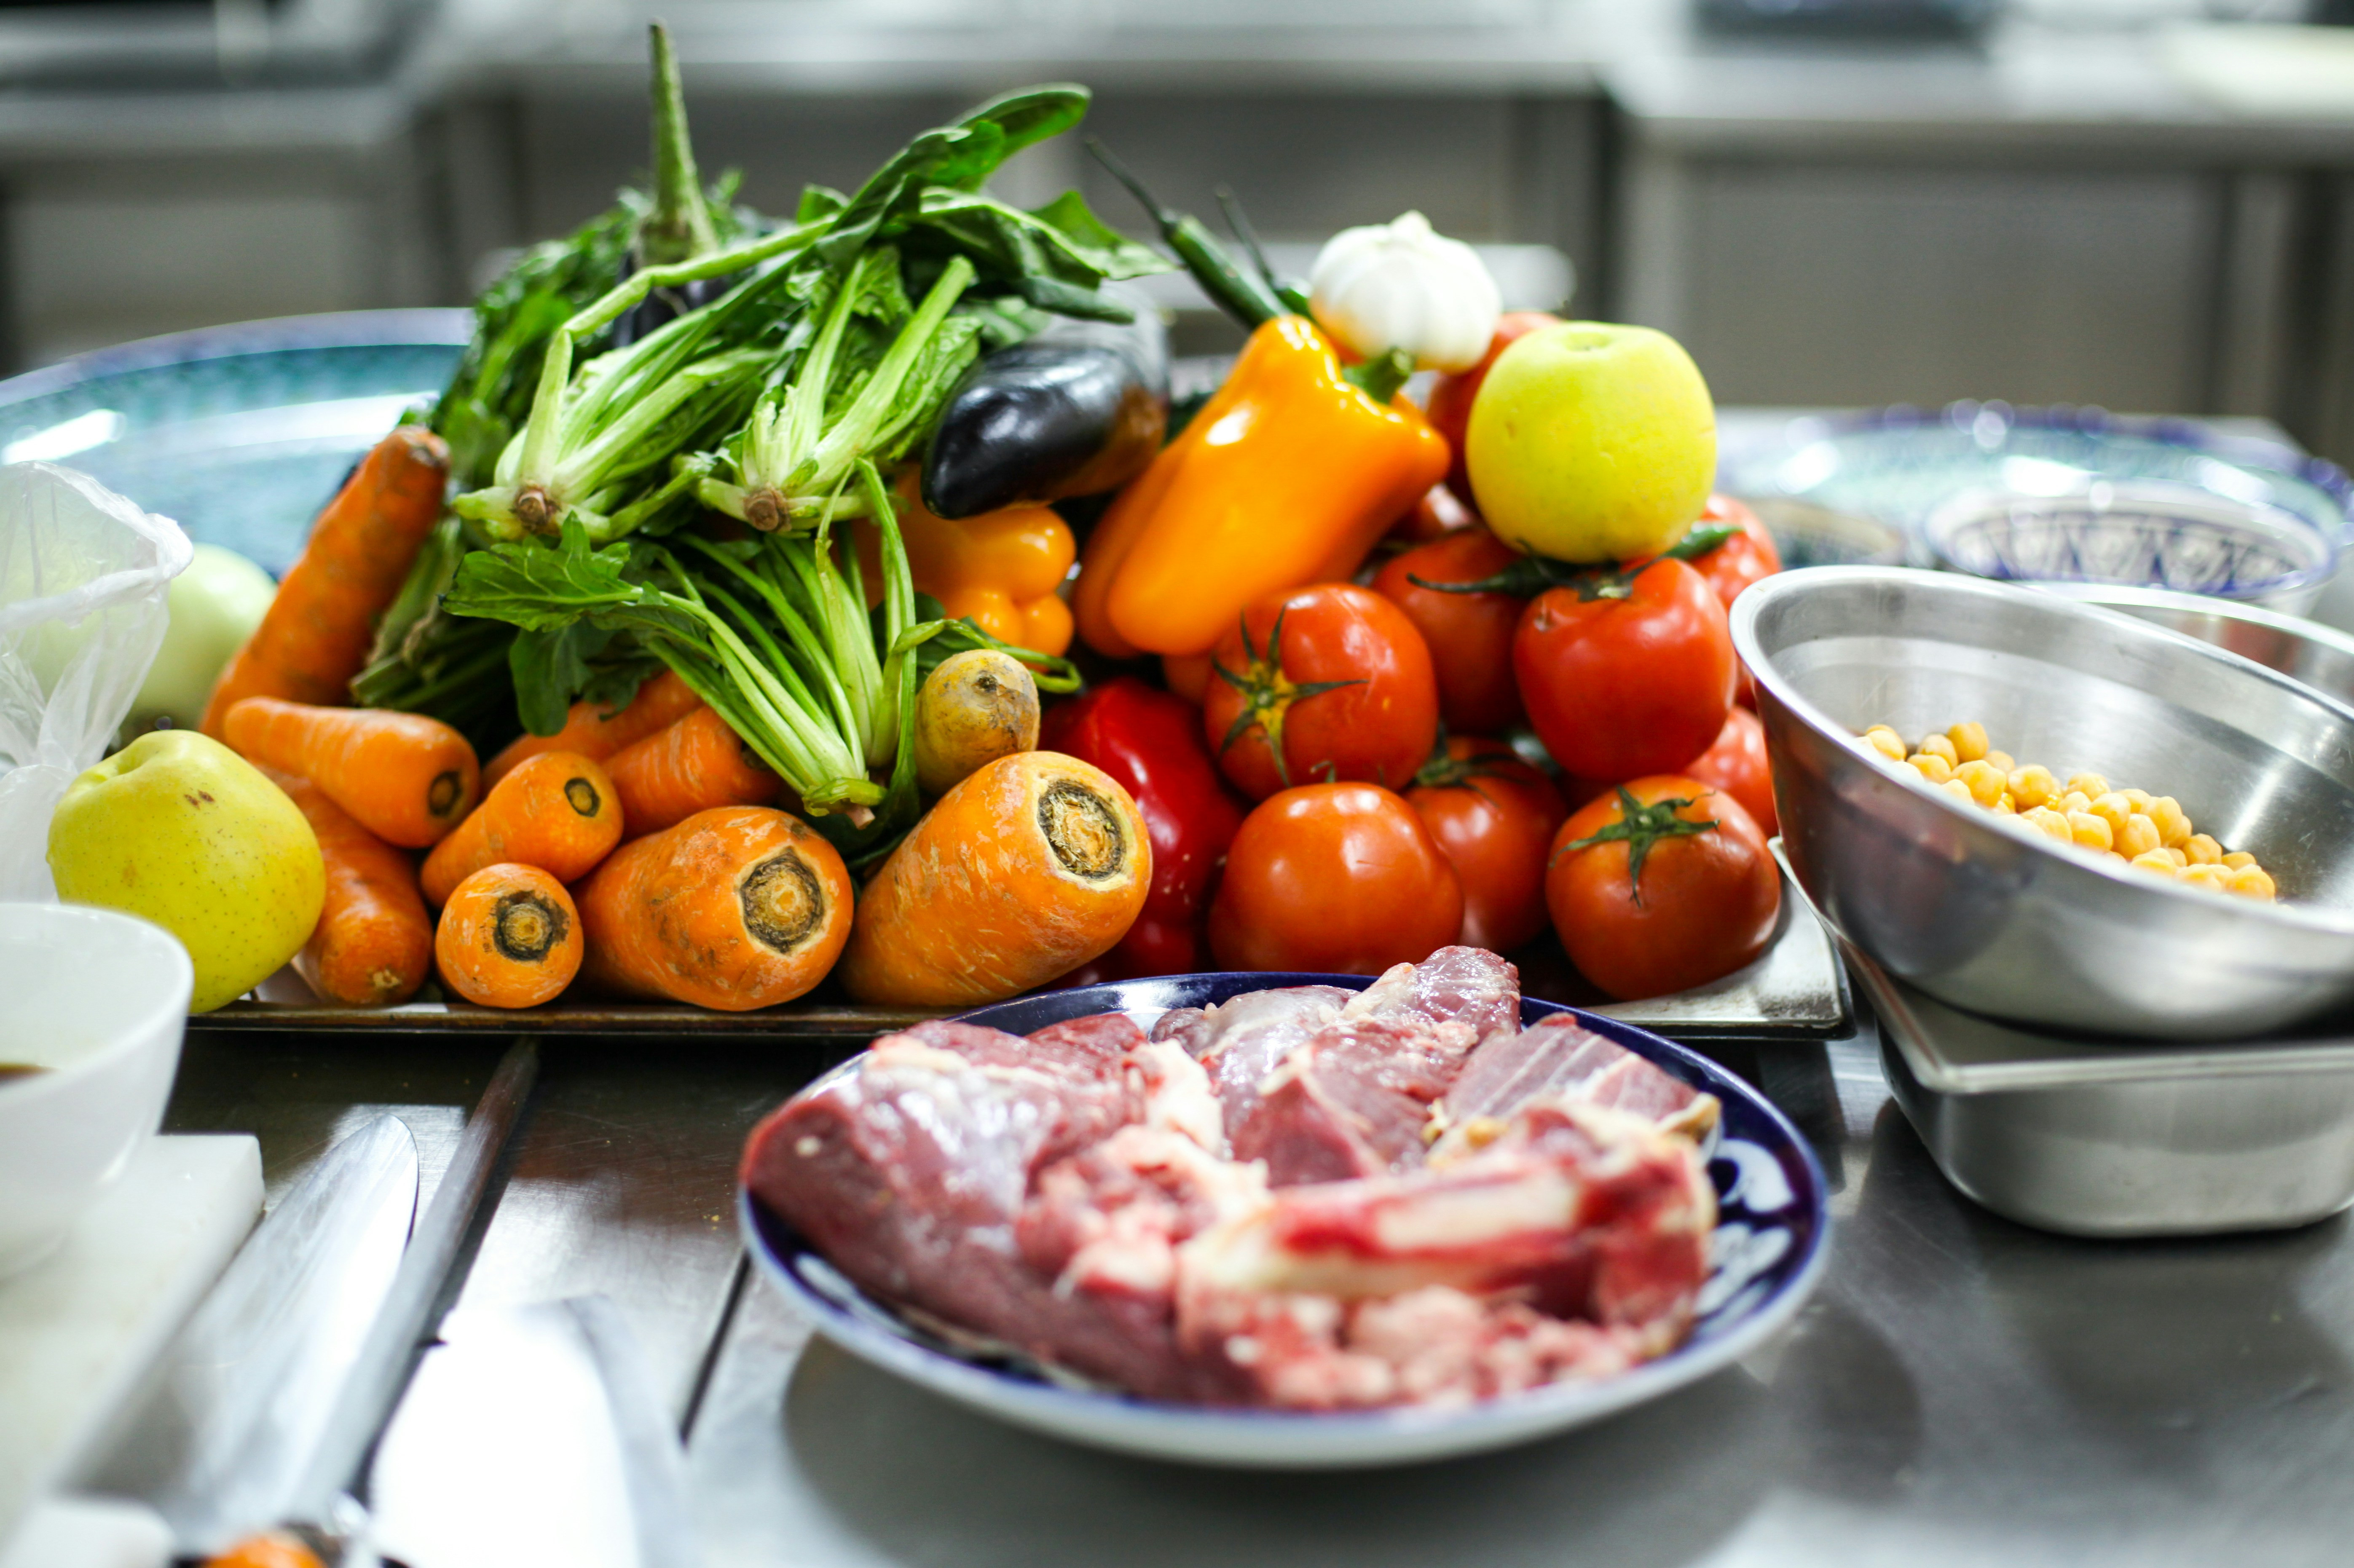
(2146, 205)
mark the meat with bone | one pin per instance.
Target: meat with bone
(1576, 1216)
(1074, 1195)
(1562, 1057)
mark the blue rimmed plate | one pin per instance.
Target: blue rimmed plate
(1774, 1221)
(238, 433)
(1900, 464)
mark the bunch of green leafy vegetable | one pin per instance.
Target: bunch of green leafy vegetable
(687, 498)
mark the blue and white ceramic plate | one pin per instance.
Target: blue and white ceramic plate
(238, 433)
(1774, 1221)
(1900, 464)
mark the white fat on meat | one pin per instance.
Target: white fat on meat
(1177, 1094)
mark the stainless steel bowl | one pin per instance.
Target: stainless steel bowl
(1988, 914)
(2320, 656)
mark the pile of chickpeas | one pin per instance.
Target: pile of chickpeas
(2149, 833)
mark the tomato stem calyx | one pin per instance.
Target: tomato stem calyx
(1532, 575)
(1267, 694)
(1638, 827)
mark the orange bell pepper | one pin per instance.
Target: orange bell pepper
(1287, 476)
(1001, 568)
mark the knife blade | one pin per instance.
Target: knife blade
(533, 1433)
(224, 1430)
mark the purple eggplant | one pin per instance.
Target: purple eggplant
(1077, 410)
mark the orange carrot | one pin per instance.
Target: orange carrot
(1025, 870)
(373, 942)
(596, 733)
(693, 765)
(317, 634)
(510, 937)
(408, 778)
(556, 812)
(733, 909)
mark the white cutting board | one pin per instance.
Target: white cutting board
(77, 1331)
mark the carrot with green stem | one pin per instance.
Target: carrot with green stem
(318, 630)
(739, 907)
(597, 732)
(407, 778)
(372, 946)
(558, 811)
(510, 937)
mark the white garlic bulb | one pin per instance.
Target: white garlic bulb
(1406, 286)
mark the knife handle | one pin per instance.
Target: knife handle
(274, 1550)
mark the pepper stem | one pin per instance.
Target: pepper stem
(1380, 379)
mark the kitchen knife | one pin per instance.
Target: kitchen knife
(225, 1429)
(296, 1473)
(533, 1433)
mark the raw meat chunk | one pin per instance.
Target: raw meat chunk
(910, 1175)
(1239, 1208)
(1467, 986)
(1432, 1346)
(1583, 1211)
(1351, 1101)
(1562, 1057)
(1242, 1039)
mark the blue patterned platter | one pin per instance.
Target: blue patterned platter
(1774, 1222)
(238, 433)
(1900, 464)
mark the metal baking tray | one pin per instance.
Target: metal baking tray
(2089, 1138)
(1795, 991)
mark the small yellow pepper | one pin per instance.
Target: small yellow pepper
(1286, 477)
(1002, 568)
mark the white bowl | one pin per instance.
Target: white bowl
(99, 1001)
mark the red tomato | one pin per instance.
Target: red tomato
(1733, 565)
(1741, 560)
(1493, 817)
(1439, 512)
(1469, 634)
(1336, 676)
(1617, 687)
(1736, 765)
(1335, 878)
(1683, 893)
(1452, 396)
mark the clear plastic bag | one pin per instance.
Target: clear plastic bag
(82, 578)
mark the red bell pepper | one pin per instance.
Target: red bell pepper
(1150, 741)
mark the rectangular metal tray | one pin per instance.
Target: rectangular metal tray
(1795, 991)
(2092, 1139)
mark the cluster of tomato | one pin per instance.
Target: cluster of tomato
(1381, 812)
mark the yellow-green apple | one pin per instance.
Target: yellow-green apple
(1592, 442)
(178, 829)
(215, 605)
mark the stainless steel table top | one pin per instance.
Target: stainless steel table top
(1961, 1391)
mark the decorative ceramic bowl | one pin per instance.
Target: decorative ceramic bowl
(238, 433)
(1774, 1221)
(1900, 464)
(93, 1003)
(2138, 534)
